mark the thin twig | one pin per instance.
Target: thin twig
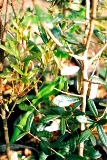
(56, 152)
(15, 14)
(32, 105)
(95, 67)
(12, 108)
(70, 94)
(34, 136)
(51, 35)
(3, 110)
(77, 57)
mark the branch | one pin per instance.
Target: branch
(93, 16)
(88, 32)
(81, 58)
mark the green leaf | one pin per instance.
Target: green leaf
(21, 100)
(58, 145)
(56, 32)
(25, 80)
(44, 17)
(72, 144)
(102, 121)
(15, 24)
(14, 49)
(16, 32)
(46, 91)
(100, 36)
(71, 38)
(32, 73)
(20, 136)
(97, 79)
(84, 136)
(80, 50)
(33, 129)
(44, 146)
(64, 100)
(57, 18)
(26, 67)
(93, 140)
(25, 107)
(22, 123)
(44, 134)
(16, 68)
(76, 105)
(29, 122)
(103, 104)
(41, 126)
(33, 57)
(57, 110)
(75, 157)
(42, 156)
(71, 41)
(92, 107)
(63, 125)
(102, 135)
(61, 53)
(90, 152)
(102, 72)
(26, 22)
(19, 127)
(13, 39)
(34, 49)
(49, 118)
(8, 50)
(43, 33)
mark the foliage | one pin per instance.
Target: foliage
(36, 86)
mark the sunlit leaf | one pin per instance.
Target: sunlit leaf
(64, 100)
(16, 68)
(69, 70)
(83, 119)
